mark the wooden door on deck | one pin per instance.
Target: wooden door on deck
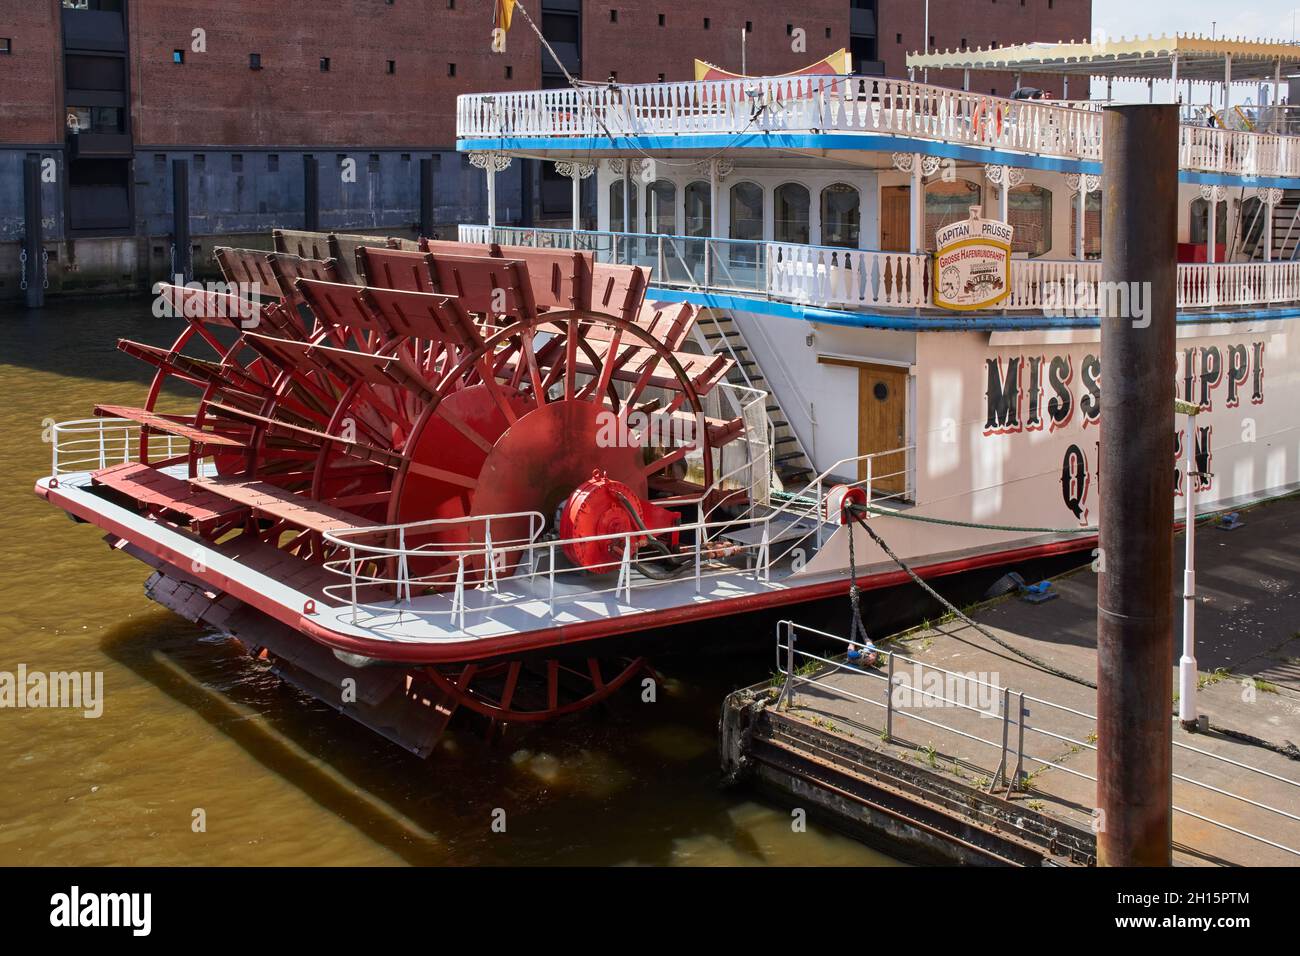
(882, 426)
(895, 219)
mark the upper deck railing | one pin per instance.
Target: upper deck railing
(837, 104)
(838, 278)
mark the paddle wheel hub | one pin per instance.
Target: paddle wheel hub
(604, 506)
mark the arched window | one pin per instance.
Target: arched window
(661, 207)
(840, 216)
(1201, 224)
(699, 209)
(790, 213)
(1029, 209)
(616, 223)
(747, 212)
(946, 203)
(1091, 225)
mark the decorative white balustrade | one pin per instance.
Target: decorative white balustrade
(816, 275)
(851, 105)
(836, 278)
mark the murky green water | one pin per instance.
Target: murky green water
(190, 723)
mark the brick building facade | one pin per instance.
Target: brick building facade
(107, 93)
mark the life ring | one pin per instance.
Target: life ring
(986, 114)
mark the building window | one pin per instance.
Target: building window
(272, 162)
(7, 45)
(616, 223)
(510, 73)
(324, 64)
(898, 38)
(661, 19)
(747, 212)
(828, 33)
(789, 29)
(1029, 209)
(392, 67)
(790, 214)
(661, 207)
(661, 77)
(178, 56)
(749, 26)
(451, 4)
(613, 16)
(254, 61)
(706, 23)
(236, 162)
(841, 217)
(963, 43)
(699, 208)
(451, 69)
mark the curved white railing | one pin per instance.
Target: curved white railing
(832, 277)
(852, 105)
(390, 575)
(89, 444)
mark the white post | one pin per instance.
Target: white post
(491, 174)
(715, 199)
(1212, 227)
(1267, 237)
(918, 206)
(925, 44)
(1173, 79)
(1277, 98)
(1227, 85)
(1065, 87)
(577, 202)
(1079, 218)
(1187, 663)
(965, 80)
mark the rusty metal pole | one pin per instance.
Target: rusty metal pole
(1135, 584)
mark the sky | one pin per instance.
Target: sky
(1252, 19)
(1239, 18)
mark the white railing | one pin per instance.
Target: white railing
(384, 570)
(90, 444)
(848, 104)
(778, 104)
(832, 277)
(1237, 283)
(819, 275)
(1238, 152)
(981, 707)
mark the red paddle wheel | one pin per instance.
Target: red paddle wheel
(469, 404)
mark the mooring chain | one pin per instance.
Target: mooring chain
(858, 511)
(856, 627)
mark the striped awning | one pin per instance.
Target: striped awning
(1198, 58)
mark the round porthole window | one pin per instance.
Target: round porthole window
(881, 391)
